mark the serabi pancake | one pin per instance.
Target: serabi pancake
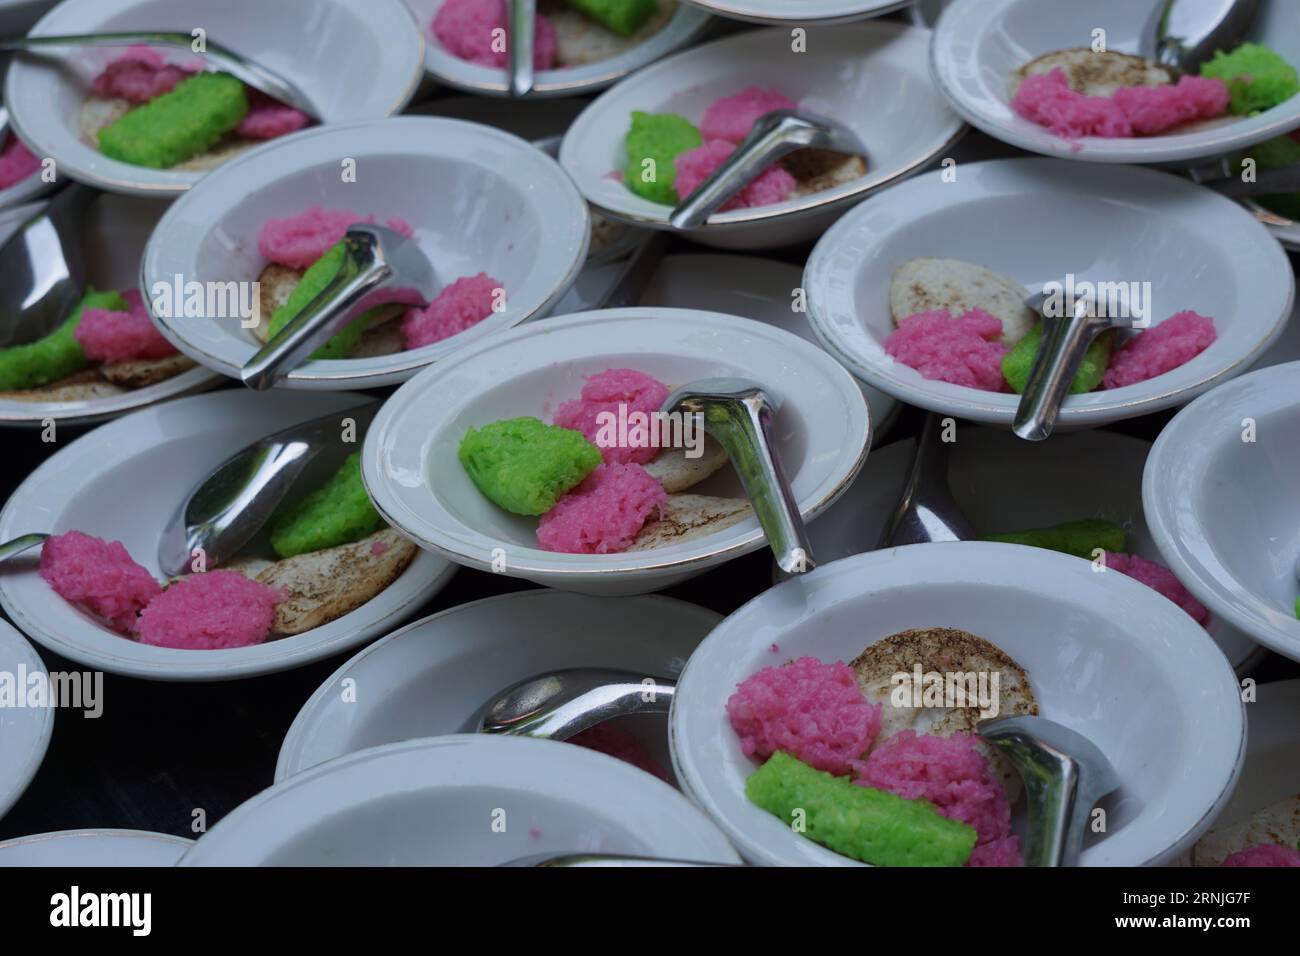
(1096, 74)
(686, 517)
(275, 285)
(142, 372)
(83, 386)
(580, 40)
(676, 472)
(1278, 823)
(926, 284)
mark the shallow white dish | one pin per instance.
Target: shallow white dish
(415, 479)
(115, 232)
(686, 26)
(880, 63)
(1105, 655)
(1225, 511)
(366, 63)
(1004, 484)
(432, 677)
(758, 289)
(121, 482)
(979, 44)
(783, 12)
(1125, 224)
(94, 848)
(461, 800)
(478, 200)
(24, 731)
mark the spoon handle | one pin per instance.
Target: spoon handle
(11, 549)
(523, 26)
(562, 717)
(1061, 350)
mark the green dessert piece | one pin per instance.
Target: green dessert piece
(653, 142)
(178, 125)
(864, 823)
(338, 512)
(1017, 363)
(1276, 153)
(56, 355)
(523, 465)
(624, 17)
(1079, 538)
(1257, 78)
(313, 283)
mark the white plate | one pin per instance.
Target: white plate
(684, 28)
(24, 731)
(1035, 220)
(115, 232)
(1106, 656)
(478, 200)
(122, 481)
(758, 289)
(365, 63)
(432, 677)
(1004, 484)
(461, 800)
(94, 848)
(415, 479)
(979, 44)
(1272, 768)
(783, 12)
(1225, 511)
(871, 76)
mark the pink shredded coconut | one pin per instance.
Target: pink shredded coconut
(954, 775)
(17, 162)
(468, 31)
(459, 306)
(1160, 349)
(216, 609)
(966, 351)
(298, 241)
(732, 117)
(1046, 99)
(107, 336)
(615, 395)
(138, 75)
(773, 185)
(604, 514)
(99, 575)
(1270, 854)
(812, 710)
(268, 118)
(616, 742)
(1158, 578)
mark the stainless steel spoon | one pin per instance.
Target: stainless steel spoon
(1185, 34)
(20, 545)
(563, 703)
(253, 74)
(522, 38)
(1061, 349)
(774, 135)
(926, 510)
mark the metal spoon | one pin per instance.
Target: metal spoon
(563, 703)
(926, 510)
(1185, 34)
(258, 77)
(375, 259)
(226, 509)
(523, 27)
(1065, 775)
(11, 549)
(774, 135)
(738, 414)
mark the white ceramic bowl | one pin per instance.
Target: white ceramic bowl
(1224, 509)
(24, 731)
(871, 76)
(415, 479)
(365, 63)
(1035, 220)
(783, 12)
(17, 16)
(1002, 484)
(461, 800)
(685, 27)
(94, 848)
(979, 44)
(478, 200)
(115, 231)
(122, 481)
(433, 676)
(1106, 656)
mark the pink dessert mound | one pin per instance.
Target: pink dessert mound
(1159, 349)
(966, 351)
(468, 31)
(298, 241)
(732, 117)
(1271, 854)
(604, 514)
(812, 710)
(616, 742)
(138, 75)
(268, 118)
(773, 185)
(107, 336)
(1046, 99)
(617, 395)
(464, 303)
(17, 162)
(99, 575)
(1158, 578)
(216, 609)
(954, 775)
